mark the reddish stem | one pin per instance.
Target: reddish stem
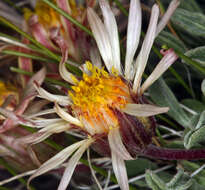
(173, 154)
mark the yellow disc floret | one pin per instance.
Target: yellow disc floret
(97, 94)
(7, 90)
(47, 16)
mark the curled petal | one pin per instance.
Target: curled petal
(133, 36)
(101, 37)
(66, 116)
(41, 123)
(12, 120)
(5, 151)
(146, 47)
(67, 76)
(45, 132)
(9, 114)
(30, 89)
(40, 33)
(72, 164)
(112, 31)
(117, 145)
(41, 113)
(165, 19)
(36, 107)
(169, 58)
(120, 171)
(56, 160)
(24, 104)
(56, 127)
(144, 110)
(33, 138)
(62, 100)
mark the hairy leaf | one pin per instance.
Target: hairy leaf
(163, 96)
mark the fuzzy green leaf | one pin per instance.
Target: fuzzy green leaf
(154, 181)
(191, 22)
(196, 135)
(193, 104)
(190, 5)
(163, 96)
(199, 178)
(180, 181)
(171, 41)
(197, 54)
(138, 166)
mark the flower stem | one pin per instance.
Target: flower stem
(173, 154)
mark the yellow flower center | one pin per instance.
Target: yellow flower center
(47, 15)
(96, 95)
(49, 18)
(6, 90)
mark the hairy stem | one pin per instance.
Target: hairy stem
(173, 154)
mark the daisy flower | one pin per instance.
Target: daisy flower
(44, 21)
(107, 105)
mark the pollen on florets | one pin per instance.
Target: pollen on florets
(7, 90)
(98, 93)
(47, 15)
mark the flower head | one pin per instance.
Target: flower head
(45, 21)
(6, 91)
(107, 104)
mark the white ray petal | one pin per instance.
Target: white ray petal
(102, 38)
(62, 100)
(44, 112)
(111, 27)
(95, 57)
(33, 138)
(162, 66)
(65, 74)
(17, 177)
(4, 151)
(117, 145)
(144, 110)
(133, 36)
(120, 171)
(41, 122)
(59, 129)
(30, 89)
(56, 127)
(165, 19)
(146, 47)
(88, 127)
(56, 160)
(66, 116)
(72, 164)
